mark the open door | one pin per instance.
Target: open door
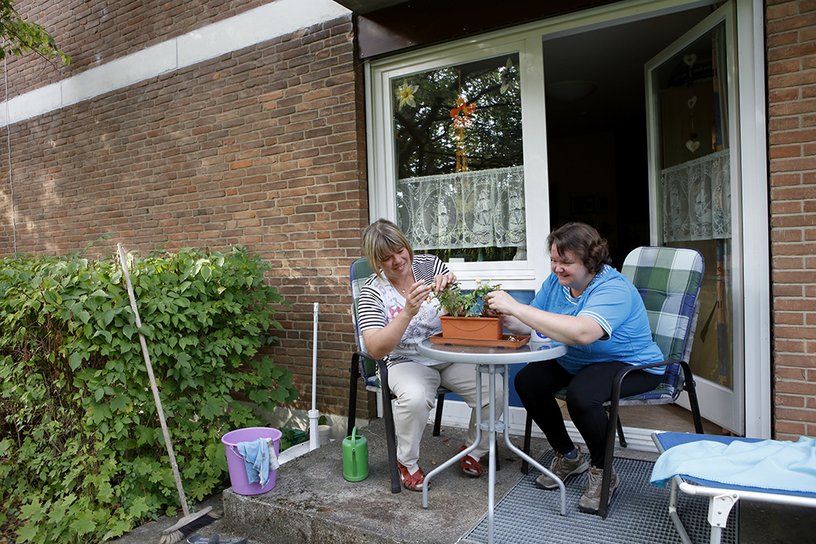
(692, 128)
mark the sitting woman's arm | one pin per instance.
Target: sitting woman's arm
(567, 329)
(379, 342)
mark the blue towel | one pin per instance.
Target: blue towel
(767, 464)
(259, 457)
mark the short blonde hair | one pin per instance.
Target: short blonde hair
(381, 239)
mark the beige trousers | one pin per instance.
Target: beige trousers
(414, 386)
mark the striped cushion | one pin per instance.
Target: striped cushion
(668, 279)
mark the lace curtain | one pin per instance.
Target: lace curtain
(697, 199)
(483, 208)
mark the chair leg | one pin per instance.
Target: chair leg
(691, 389)
(528, 431)
(440, 403)
(354, 375)
(621, 437)
(609, 456)
(390, 433)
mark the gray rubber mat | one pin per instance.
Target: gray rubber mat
(638, 513)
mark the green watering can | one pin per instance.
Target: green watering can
(355, 457)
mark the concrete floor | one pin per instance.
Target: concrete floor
(312, 503)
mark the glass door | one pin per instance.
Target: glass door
(692, 129)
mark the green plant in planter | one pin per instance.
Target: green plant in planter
(457, 303)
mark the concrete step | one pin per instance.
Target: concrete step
(312, 502)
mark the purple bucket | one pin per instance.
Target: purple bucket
(235, 463)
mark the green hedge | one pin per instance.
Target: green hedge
(82, 458)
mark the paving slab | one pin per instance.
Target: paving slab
(312, 502)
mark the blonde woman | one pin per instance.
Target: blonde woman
(397, 312)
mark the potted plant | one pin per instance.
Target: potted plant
(467, 316)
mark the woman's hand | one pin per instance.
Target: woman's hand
(441, 281)
(501, 303)
(416, 295)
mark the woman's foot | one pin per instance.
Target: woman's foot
(471, 466)
(563, 467)
(411, 482)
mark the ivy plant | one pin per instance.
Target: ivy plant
(82, 457)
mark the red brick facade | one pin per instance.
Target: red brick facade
(95, 32)
(791, 54)
(265, 148)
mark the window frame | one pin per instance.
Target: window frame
(382, 167)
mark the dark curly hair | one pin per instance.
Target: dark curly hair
(584, 242)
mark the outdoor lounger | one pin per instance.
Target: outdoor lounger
(752, 466)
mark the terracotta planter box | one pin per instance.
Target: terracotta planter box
(471, 328)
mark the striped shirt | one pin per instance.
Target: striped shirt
(380, 303)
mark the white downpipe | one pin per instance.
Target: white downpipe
(314, 414)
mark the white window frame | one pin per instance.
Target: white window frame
(382, 165)
(527, 40)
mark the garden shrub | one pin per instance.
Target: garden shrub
(82, 456)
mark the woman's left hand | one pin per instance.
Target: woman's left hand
(441, 281)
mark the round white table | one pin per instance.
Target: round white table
(491, 361)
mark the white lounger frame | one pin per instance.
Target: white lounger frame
(721, 501)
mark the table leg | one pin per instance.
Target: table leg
(526, 457)
(465, 451)
(491, 470)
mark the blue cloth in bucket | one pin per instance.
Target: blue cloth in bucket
(259, 458)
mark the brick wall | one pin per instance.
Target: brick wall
(98, 31)
(791, 47)
(263, 148)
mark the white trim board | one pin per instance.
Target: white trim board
(457, 414)
(248, 28)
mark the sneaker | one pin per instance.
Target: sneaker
(411, 482)
(591, 499)
(563, 468)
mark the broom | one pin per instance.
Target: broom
(189, 522)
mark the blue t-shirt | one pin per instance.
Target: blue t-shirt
(614, 303)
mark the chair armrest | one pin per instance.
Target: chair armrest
(369, 374)
(618, 380)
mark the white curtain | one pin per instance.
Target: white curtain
(697, 199)
(471, 209)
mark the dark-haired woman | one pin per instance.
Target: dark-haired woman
(599, 315)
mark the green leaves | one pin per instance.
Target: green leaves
(458, 303)
(75, 401)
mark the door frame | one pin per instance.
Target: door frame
(720, 404)
(751, 261)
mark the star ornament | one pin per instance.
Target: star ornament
(462, 112)
(405, 94)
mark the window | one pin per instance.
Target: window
(459, 160)
(448, 158)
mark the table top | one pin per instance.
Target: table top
(491, 355)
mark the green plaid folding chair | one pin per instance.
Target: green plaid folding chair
(374, 373)
(668, 280)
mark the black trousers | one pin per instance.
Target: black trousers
(587, 391)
